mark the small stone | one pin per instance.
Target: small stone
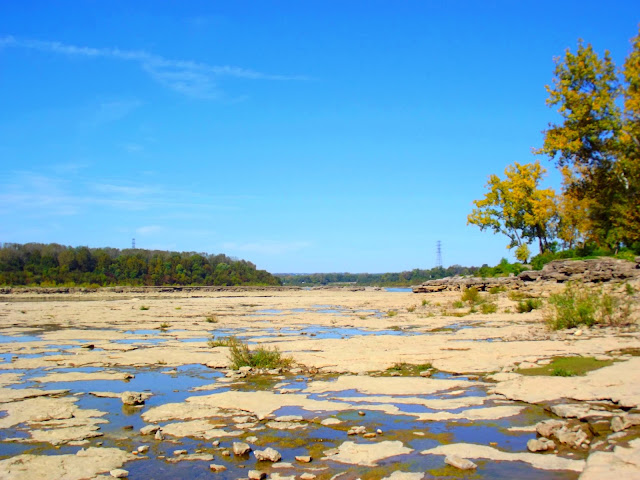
(540, 444)
(134, 452)
(179, 452)
(548, 427)
(99, 444)
(360, 430)
(370, 435)
(119, 473)
(149, 430)
(577, 333)
(216, 443)
(303, 458)
(426, 373)
(128, 376)
(240, 448)
(394, 374)
(307, 476)
(252, 439)
(246, 369)
(143, 448)
(128, 427)
(268, 455)
(330, 421)
(225, 453)
(379, 432)
(159, 435)
(361, 413)
(460, 463)
(493, 444)
(256, 475)
(217, 468)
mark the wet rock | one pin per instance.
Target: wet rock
(133, 398)
(367, 454)
(267, 455)
(398, 475)
(379, 432)
(250, 439)
(159, 435)
(622, 422)
(426, 373)
(360, 430)
(225, 453)
(256, 475)
(149, 429)
(549, 427)
(600, 427)
(289, 418)
(622, 463)
(216, 443)
(241, 448)
(285, 425)
(274, 371)
(540, 444)
(303, 458)
(370, 435)
(246, 369)
(119, 473)
(361, 413)
(330, 421)
(307, 476)
(217, 468)
(395, 374)
(143, 449)
(179, 452)
(460, 463)
(200, 457)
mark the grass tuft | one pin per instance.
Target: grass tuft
(528, 305)
(212, 319)
(260, 357)
(144, 307)
(488, 308)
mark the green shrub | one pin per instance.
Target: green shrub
(164, 326)
(528, 304)
(411, 309)
(487, 308)
(579, 305)
(629, 289)
(218, 342)
(425, 302)
(391, 313)
(458, 304)
(497, 289)
(261, 357)
(561, 372)
(212, 319)
(470, 295)
(144, 307)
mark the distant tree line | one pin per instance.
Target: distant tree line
(52, 264)
(402, 279)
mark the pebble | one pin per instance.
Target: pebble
(307, 476)
(256, 475)
(225, 453)
(179, 452)
(460, 463)
(303, 458)
(240, 448)
(215, 443)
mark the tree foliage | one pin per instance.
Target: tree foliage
(517, 207)
(53, 264)
(598, 140)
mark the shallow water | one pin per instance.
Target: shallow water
(172, 386)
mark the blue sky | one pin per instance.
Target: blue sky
(305, 136)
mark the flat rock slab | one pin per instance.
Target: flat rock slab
(404, 476)
(619, 383)
(543, 462)
(621, 463)
(81, 377)
(197, 429)
(368, 454)
(386, 385)
(84, 464)
(12, 394)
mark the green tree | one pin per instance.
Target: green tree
(517, 207)
(598, 140)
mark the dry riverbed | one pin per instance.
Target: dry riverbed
(97, 384)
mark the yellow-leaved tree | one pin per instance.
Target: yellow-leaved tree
(518, 208)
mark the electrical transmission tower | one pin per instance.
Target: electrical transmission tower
(133, 243)
(439, 254)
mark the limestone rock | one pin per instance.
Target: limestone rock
(540, 444)
(570, 410)
(267, 455)
(149, 429)
(217, 468)
(119, 473)
(549, 427)
(330, 421)
(360, 430)
(622, 422)
(240, 448)
(460, 463)
(307, 476)
(256, 475)
(303, 458)
(133, 398)
(573, 438)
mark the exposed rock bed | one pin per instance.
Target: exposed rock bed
(598, 270)
(152, 388)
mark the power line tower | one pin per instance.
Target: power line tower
(439, 254)
(133, 243)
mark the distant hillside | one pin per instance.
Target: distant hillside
(413, 277)
(52, 264)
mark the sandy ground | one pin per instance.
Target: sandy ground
(341, 339)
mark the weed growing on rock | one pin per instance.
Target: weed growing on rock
(391, 313)
(496, 290)
(567, 367)
(488, 308)
(411, 309)
(261, 357)
(214, 342)
(164, 326)
(425, 302)
(579, 305)
(458, 304)
(629, 289)
(528, 305)
(407, 369)
(470, 295)
(561, 372)
(144, 307)
(212, 319)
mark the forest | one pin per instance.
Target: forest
(402, 279)
(51, 264)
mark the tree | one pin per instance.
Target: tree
(517, 207)
(597, 140)
(574, 225)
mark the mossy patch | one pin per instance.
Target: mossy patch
(405, 369)
(567, 367)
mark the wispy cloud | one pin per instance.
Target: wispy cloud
(149, 230)
(269, 247)
(195, 79)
